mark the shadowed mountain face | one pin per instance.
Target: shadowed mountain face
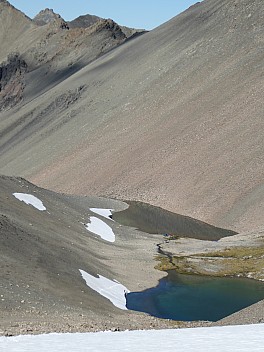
(12, 78)
(152, 219)
(173, 118)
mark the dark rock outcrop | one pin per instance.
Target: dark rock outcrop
(83, 21)
(12, 74)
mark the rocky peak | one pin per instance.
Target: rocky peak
(111, 26)
(4, 4)
(49, 16)
(7, 4)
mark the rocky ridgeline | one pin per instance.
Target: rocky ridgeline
(53, 47)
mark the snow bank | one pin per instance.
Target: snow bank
(106, 213)
(111, 290)
(31, 200)
(100, 228)
(249, 338)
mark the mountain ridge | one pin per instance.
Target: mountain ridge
(49, 45)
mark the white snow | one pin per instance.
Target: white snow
(248, 338)
(106, 213)
(30, 200)
(112, 290)
(100, 228)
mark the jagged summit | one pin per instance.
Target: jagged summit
(48, 16)
(45, 16)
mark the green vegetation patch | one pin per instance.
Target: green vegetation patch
(237, 252)
(180, 264)
(240, 261)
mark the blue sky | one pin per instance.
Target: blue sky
(146, 14)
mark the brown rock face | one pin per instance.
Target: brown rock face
(12, 81)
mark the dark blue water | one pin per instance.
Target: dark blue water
(191, 297)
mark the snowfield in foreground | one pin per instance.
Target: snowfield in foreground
(249, 338)
(112, 290)
(30, 200)
(100, 228)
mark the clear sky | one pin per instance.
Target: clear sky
(145, 14)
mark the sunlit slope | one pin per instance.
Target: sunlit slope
(13, 26)
(173, 118)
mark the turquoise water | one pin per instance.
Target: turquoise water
(190, 297)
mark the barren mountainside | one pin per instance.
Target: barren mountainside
(173, 117)
(115, 141)
(51, 48)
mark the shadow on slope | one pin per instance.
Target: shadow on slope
(151, 219)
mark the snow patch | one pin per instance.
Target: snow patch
(247, 338)
(30, 200)
(106, 213)
(112, 290)
(100, 228)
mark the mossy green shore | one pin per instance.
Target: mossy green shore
(194, 247)
(237, 261)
